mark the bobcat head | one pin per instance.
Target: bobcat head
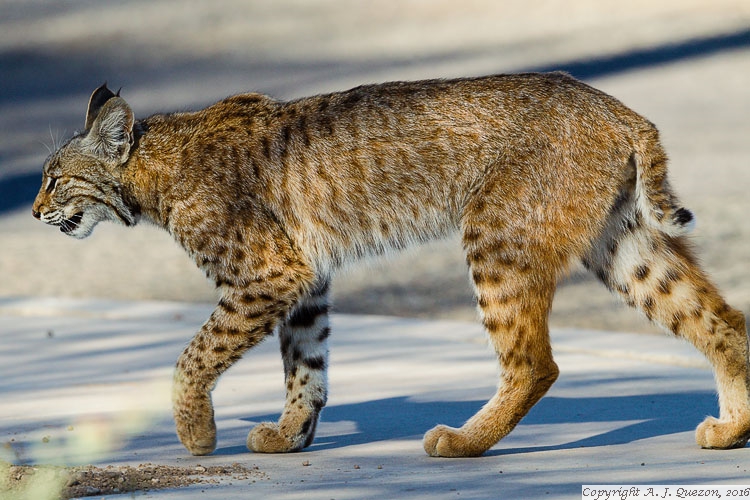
(81, 181)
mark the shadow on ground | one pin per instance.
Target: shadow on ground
(651, 415)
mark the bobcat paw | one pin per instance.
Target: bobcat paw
(266, 438)
(443, 441)
(194, 420)
(198, 435)
(717, 434)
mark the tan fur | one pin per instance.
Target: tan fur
(270, 198)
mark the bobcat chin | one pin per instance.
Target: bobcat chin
(270, 198)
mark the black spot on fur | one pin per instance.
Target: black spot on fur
(208, 260)
(305, 316)
(245, 99)
(266, 144)
(665, 287)
(682, 216)
(642, 273)
(255, 315)
(227, 306)
(311, 430)
(316, 363)
(222, 281)
(248, 298)
(302, 127)
(352, 98)
(306, 425)
(283, 142)
(324, 334)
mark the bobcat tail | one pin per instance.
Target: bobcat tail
(654, 199)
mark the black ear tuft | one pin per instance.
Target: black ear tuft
(110, 135)
(98, 98)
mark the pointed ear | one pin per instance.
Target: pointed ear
(98, 98)
(111, 134)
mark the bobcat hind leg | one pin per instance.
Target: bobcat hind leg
(658, 274)
(514, 296)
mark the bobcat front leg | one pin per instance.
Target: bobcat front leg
(303, 338)
(239, 322)
(248, 311)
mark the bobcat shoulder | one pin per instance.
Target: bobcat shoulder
(270, 198)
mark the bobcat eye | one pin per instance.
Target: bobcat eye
(51, 182)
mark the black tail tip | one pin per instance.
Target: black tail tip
(683, 216)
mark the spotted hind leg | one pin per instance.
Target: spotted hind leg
(303, 338)
(514, 294)
(658, 274)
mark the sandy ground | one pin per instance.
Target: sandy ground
(685, 64)
(87, 383)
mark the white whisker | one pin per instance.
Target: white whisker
(52, 136)
(49, 150)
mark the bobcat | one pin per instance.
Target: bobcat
(270, 198)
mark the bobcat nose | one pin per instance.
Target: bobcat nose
(36, 214)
